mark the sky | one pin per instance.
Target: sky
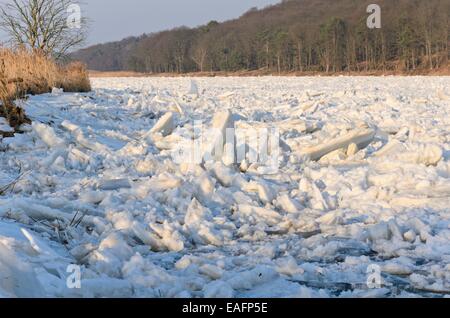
(112, 20)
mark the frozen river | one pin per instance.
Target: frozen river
(357, 204)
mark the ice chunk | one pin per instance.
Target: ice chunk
(38, 211)
(352, 149)
(197, 224)
(170, 237)
(379, 231)
(416, 153)
(83, 250)
(223, 174)
(268, 216)
(396, 268)
(94, 197)
(226, 95)
(410, 236)
(427, 154)
(93, 145)
(115, 242)
(177, 107)
(311, 190)
(165, 125)
(144, 275)
(113, 184)
(193, 89)
(218, 289)
(110, 255)
(205, 187)
(265, 193)
(248, 279)
(359, 137)
(222, 123)
(157, 183)
(147, 237)
(211, 271)
(288, 266)
(17, 278)
(57, 91)
(391, 147)
(104, 287)
(288, 204)
(66, 124)
(47, 135)
(39, 246)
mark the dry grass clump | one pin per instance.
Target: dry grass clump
(37, 73)
(31, 72)
(74, 77)
(9, 91)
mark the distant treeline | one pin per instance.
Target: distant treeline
(295, 35)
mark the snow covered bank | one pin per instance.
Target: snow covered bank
(363, 181)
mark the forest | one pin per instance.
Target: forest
(295, 35)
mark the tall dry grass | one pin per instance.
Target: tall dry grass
(74, 77)
(39, 74)
(30, 72)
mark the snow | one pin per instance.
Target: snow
(363, 179)
(4, 125)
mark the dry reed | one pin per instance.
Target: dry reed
(30, 72)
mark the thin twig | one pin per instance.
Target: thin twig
(10, 186)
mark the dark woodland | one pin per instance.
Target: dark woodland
(295, 35)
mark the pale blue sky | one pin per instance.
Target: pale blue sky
(115, 19)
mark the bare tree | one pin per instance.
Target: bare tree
(52, 26)
(199, 57)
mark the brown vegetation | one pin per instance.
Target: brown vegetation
(74, 77)
(442, 71)
(23, 72)
(302, 36)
